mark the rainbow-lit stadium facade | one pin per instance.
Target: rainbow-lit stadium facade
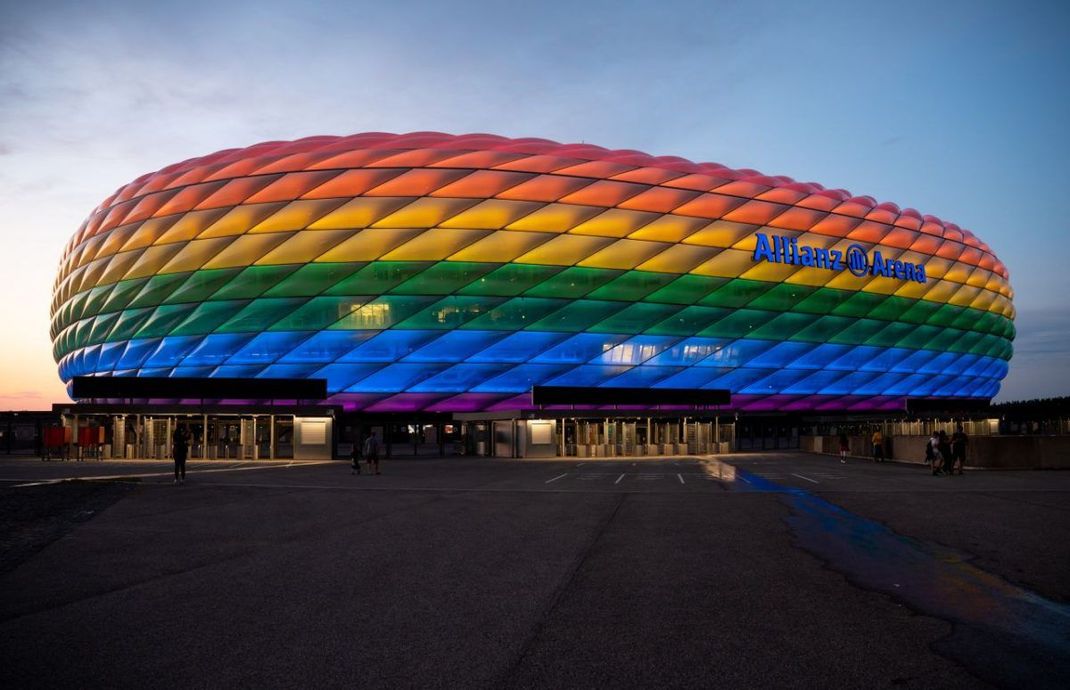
(439, 273)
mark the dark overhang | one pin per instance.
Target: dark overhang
(578, 395)
(947, 406)
(136, 387)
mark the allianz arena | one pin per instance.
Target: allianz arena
(438, 273)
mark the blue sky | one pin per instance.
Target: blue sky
(958, 109)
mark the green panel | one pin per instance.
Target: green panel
(510, 280)
(859, 304)
(261, 313)
(516, 314)
(973, 320)
(687, 289)
(81, 334)
(128, 324)
(920, 312)
(944, 316)
(164, 319)
(444, 278)
(786, 325)
(860, 331)
(157, 289)
(202, 284)
(633, 286)
(895, 334)
(379, 277)
(208, 316)
(783, 297)
(736, 293)
(253, 281)
(1009, 331)
(739, 323)
(891, 308)
(313, 279)
(382, 312)
(101, 326)
(823, 329)
(122, 294)
(451, 312)
(688, 321)
(970, 340)
(574, 282)
(823, 301)
(946, 340)
(97, 297)
(577, 316)
(319, 312)
(635, 318)
(75, 306)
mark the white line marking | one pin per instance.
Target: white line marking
(745, 479)
(618, 479)
(556, 478)
(814, 481)
(581, 464)
(678, 476)
(168, 473)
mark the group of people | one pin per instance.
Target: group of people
(944, 454)
(370, 450)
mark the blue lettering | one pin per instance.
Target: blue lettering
(762, 250)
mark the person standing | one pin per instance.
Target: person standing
(945, 451)
(878, 446)
(371, 450)
(934, 446)
(959, 441)
(354, 457)
(179, 450)
(845, 445)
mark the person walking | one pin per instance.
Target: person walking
(878, 446)
(354, 457)
(845, 446)
(371, 450)
(933, 449)
(179, 450)
(945, 452)
(959, 441)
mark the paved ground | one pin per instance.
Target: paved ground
(759, 569)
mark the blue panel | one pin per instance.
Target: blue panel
(939, 363)
(928, 384)
(458, 378)
(642, 376)
(737, 353)
(909, 385)
(326, 346)
(520, 379)
(781, 355)
(738, 379)
(820, 356)
(776, 382)
(172, 349)
(580, 348)
(233, 371)
(849, 384)
(395, 378)
(635, 350)
(92, 354)
(961, 364)
(519, 347)
(191, 372)
(265, 348)
(913, 363)
(343, 375)
(216, 349)
(137, 351)
(109, 355)
(688, 351)
(886, 359)
(288, 371)
(815, 382)
(390, 346)
(154, 372)
(587, 375)
(455, 346)
(881, 384)
(691, 377)
(855, 358)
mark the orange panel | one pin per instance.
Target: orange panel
(755, 212)
(748, 190)
(908, 222)
(544, 188)
(836, 226)
(482, 184)
(950, 250)
(188, 198)
(239, 219)
(115, 216)
(478, 159)
(711, 206)
(418, 182)
(353, 183)
(934, 229)
(971, 255)
(647, 175)
(698, 183)
(238, 168)
(604, 193)
(291, 186)
(236, 191)
(352, 159)
(147, 206)
(659, 199)
(818, 201)
(880, 215)
(780, 195)
(900, 237)
(416, 158)
(538, 164)
(926, 244)
(868, 231)
(598, 169)
(796, 218)
(291, 163)
(850, 208)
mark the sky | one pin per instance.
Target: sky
(957, 109)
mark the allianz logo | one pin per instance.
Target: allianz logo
(856, 259)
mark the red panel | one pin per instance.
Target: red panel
(482, 184)
(189, 197)
(836, 226)
(756, 212)
(795, 218)
(711, 206)
(604, 193)
(236, 191)
(352, 183)
(545, 188)
(659, 199)
(291, 186)
(419, 182)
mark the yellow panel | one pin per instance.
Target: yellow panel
(845, 280)
(814, 277)
(941, 291)
(297, 215)
(194, 254)
(669, 228)
(425, 213)
(964, 296)
(305, 246)
(116, 239)
(492, 214)
(721, 233)
(359, 213)
(883, 286)
(564, 250)
(958, 272)
(766, 270)
(152, 260)
(435, 244)
(936, 268)
(501, 246)
(679, 258)
(147, 233)
(624, 254)
(246, 249)
(555, 218)
(117, 266)
(616, 222)
(370, 244)
(90, 249)
(240, 219)
(187, 226)
(913, 290)
(979, 277)
(730, 263)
